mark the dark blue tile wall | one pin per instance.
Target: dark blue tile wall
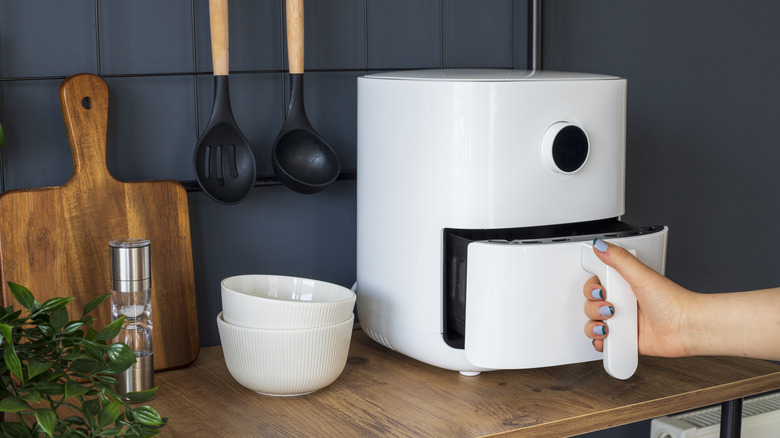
(398, 39)
(47, 38)
(151, 127)
(145, 36)
(156, 58)
(477, 33)
(256, 34)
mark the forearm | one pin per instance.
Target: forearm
(734, 324)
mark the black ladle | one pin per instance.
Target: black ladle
(223, 160)
(302, 160)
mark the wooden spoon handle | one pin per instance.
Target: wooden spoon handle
(220, 54)
(295, 36)
(84, 103)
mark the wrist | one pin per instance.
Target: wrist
(693, 331)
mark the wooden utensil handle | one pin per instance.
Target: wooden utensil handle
(220, 53)
(295, 36)
(84, 103)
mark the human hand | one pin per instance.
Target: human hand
(661, 304)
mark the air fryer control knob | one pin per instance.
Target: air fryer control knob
(565, 148)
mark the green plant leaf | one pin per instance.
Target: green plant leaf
(92, 406)
(50, 388)
(59, 318)
(141, 396)
(12, 361)
(33, 396)
(46, 330)
(94, 351)
(13, 404)
(47, 419)
(16, 430)
(72, 327)
(147, 415)
(75, 420)
(7, 332)
(73, 388)
(122, 357)
(110, 331)
(22, 295)
(55, 303)
(107, 380)
(35, 368)
(114, 431)
(43, 352)
(109, 413)
(94, 303)
(85, 366)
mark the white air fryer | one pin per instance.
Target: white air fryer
(480, 192)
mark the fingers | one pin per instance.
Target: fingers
(597, 310)
(596, 330)
(628, 266)
(593, 289)
(596, 307)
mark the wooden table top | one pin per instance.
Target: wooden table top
(383, 393)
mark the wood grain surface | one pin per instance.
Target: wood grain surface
(54, 240)
(384, 394)
(295, 35)
(220, 38)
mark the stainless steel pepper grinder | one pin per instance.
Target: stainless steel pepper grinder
(131, 297)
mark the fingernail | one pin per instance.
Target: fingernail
(600, 245)
(597, 294)
(606, 311)
(599, 330)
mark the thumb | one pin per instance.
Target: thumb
(629, 267)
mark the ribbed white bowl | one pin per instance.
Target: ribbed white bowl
(280, 302)
(285, 362)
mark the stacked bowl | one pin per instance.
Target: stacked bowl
(285, 335)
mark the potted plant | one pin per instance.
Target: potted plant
(56, 374)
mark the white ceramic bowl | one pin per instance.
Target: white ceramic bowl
(285, 362)
(280, 302)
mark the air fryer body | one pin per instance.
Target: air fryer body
(480, 183)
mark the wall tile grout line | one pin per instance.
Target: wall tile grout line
(195, 68)
(365, 34)
(511, 31)
(441, 33)
(97, 37)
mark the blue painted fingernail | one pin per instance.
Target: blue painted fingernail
(600, 245)
(599, 330)
(597, 294)
(606, 311)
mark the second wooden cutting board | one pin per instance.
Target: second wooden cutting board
(54, 240)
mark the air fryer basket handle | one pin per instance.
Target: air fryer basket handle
(621, 350)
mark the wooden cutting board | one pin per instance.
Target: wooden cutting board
(54, 240)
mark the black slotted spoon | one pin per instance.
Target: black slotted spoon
(223, 160)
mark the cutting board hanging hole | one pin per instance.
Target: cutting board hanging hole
(86, 102)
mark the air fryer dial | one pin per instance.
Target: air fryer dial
(565, 148)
